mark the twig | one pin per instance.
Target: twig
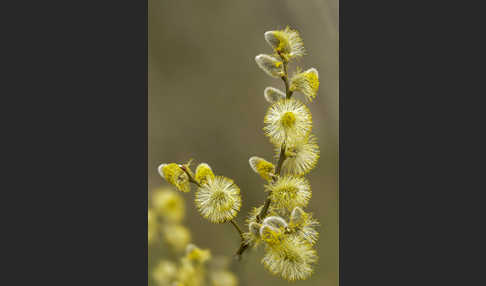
(191, 179)
(237, 229)
(281, 159)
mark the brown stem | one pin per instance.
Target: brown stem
(237, 229)
(191, 179)
(281, 159)
(240, 250)
(285, 78)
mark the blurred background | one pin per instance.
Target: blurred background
(206, 102)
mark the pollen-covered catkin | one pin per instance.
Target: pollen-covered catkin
(219, 199)
(306, 82)
(287, 121)
(291, 259)
(196, 254)
(169, 205)
(289, 192)
(304, 226)
(177, 236)
(262, 167)
(301, 156)
(286, 42)
(174, 174)
(203, 173)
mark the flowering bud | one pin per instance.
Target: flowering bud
(275, 221)
(270, 65)
(270, 234)
(203, 172)
(173, 174)
(272, 94)
(262, 167)
(297, 217)
(287, 43)
(306, 82)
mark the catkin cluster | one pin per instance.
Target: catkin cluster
(287, 232)
(193, 266)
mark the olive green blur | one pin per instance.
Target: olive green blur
(206, 102)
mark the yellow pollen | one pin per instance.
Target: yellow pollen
(265, 168)
(313, 81)
(219, 195)
(288, 119)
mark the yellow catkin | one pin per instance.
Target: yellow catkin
(270, 65)
(301, 157)
(164, 273)
(306, 82)
(289, 192)
(219, 200)
(177, 236)
(169, 205)
(196, 254)
(287, 43)
(262, 167)
(287, 121)
(203, 173)
(174, 174)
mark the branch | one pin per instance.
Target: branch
(191, 178)
(237, 229)
(281, 159)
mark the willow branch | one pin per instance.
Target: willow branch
(191, 178)
(237, 229)
(281, 159)
(240, 250)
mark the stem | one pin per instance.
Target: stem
(191, 179)
(240, 250)
(285, 78)
(286, 81)
(237, 229)
(281, 159)
(264, 210)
